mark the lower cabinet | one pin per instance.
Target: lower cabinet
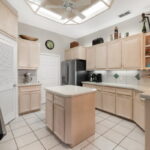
(49, 114)
(124, 105)
(59, 121)
(139, 111)
(98, 103)
(29, 99)
(109, 102)
(24, 102)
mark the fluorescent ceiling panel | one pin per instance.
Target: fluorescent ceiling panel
(92, 11)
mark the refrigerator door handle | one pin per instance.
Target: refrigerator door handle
(67, 74)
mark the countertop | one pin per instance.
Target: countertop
(70, 90)
(145, 91)
(28, 84)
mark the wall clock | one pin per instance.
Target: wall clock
(49, 44)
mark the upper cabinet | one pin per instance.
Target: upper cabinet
(75, 53)
(28, 54)
(101, 56)
(114, 51)
(90, 57)
(125, 53)
(132, 49)
(9, 20)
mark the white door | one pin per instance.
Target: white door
(49, 72)
(8, 78)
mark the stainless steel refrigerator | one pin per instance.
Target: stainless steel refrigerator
(73, 72)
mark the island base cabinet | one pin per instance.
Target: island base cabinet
(59, 121)
(139, 111)
(98, 103)
(49, 114)
(109, 102)
(124, 106)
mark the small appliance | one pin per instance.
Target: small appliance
(96, 77)
(27, 77)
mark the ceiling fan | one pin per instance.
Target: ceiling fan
(69, 6)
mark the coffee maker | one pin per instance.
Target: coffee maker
(96, 77)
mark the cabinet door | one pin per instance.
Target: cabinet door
(35, 100)
(68, 55)
(114, 54)
(90, 58)
(132, 52)
(24, 102)
(109, 102)
(49, 114)
(9, 23)
(34, 55)
(98, 100)
(139, 111)
(124, 106)
(78, 53)
(101, 56)
(23, 54)
(59, 121)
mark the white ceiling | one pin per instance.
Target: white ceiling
(101, 21)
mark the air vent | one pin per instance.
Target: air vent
(124, 14)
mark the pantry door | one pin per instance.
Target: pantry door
(8, 78)
(49, 72)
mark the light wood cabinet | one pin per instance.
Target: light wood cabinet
(65, 115)
(59, 121)
(24, 102)
(90, 58)
(75, 53)
(99, 102)
(124, 106)
(109, 102)
(29, 99)
(49, 114)
(101, 56)
(132, 48)
(35, 100)
(28, 54)
(114, 50)
(9, 20)
(139, 110)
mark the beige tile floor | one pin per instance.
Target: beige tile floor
(29, 132)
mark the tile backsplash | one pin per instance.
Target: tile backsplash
(21, 75)
(126, 77)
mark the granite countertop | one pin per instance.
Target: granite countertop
(70, 90)
(28, 84)
(145, 91)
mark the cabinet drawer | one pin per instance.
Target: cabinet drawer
(59, 101)
(49, 96)
(109, 89)
(29, 88)
(124, 91)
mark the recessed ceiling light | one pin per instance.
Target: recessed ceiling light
(98, 7)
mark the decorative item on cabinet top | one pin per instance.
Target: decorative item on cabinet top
(98, 41)
(26, 37)
(74, 44)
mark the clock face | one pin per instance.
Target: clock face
(49, 44)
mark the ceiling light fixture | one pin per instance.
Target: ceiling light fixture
(73, 12)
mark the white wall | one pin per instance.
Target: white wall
(132, 26)
(61, 42)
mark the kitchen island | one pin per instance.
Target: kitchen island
(70, 113)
